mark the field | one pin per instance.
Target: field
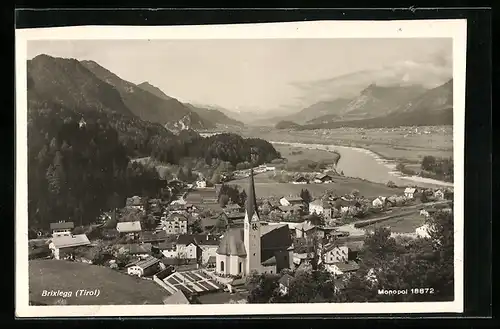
(266, 187)
(115, 288)
(295, 154)
(403, 224)
(405, 144)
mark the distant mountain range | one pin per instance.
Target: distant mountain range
(86, 84)
(388, 107)
(210, 114)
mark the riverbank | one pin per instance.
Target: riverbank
(366, 164)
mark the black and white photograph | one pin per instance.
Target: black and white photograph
(175, 169)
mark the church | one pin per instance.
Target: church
(255, 247)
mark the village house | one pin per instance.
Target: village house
(176, 224)
(208, 245)
(323, 179)
(291, 200)
(63, 244)
(284, 283)
(321, 208)
(439, 195)
(168, 249)
(308, 230)
(422, 231)
(135, 202)
(342, 268)
(201, 183)
(379, 202)
(409, 192)
(290, 210)
(232, 207)
(82, 123)
(153, 237)
(333, 253)
(140, 250)
(145, 267)
(186, 247)
(300, 180)
(129, 228)
(61, 228)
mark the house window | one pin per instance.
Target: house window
(222, 266)
(240, 267)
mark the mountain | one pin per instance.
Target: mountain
(214, 116)
(427, 72)
(373, 101)
(153, 90)
(146, 105)
(211, 115)
(69, 83)
(432, 108)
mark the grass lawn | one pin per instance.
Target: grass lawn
(266, 187)
(403, 224)
(115, 288)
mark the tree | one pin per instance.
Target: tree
(243, 198)
(223, 200)
(391, 184)
(423, 197)
(428, 163)
(355, 193)
(195, 227)
(306, 195)
(262, 287)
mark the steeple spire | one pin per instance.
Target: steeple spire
(251, 206)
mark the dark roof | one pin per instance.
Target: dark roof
(185, 239)
(285, 280)
(146, 263)
(62, 226)
(323, 176)
(206, 240)
(143, 248)
(251, 203)
(294, 199)
(273, 237)
(166, 245)
(301, 178)
(232, 243)
(269, 261)
(150, 236)
(164, 273)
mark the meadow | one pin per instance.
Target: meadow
(266, 187)
(406, 144)
(402, 224)
(115, 288)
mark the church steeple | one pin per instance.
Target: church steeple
(251, 204)
(252, 230)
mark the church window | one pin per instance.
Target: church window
(240, 267)
(222, 266)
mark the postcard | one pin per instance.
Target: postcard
(278, 168)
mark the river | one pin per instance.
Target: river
(363, 163)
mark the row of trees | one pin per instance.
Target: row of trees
(385, 263)
(231, 193)
(440, 168)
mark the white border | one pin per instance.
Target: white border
(455, 29)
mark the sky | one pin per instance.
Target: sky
(244, 74)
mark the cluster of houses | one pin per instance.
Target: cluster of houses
(219, 257)
(321, 178)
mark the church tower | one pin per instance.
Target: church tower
(252, 230)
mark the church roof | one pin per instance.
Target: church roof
(251, 203)
(273, 237)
